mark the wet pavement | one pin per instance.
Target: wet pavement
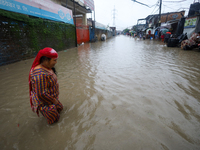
(120, 94)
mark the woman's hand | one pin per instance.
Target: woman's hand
(55, 102)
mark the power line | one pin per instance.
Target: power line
(152, 11)
(182, 8)
(168, 7)
(140, 3)
(157, 4)
(144, 4)
(175, 1)
(156, 10)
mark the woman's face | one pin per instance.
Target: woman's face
(52, 62)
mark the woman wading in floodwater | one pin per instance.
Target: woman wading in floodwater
(43, 85)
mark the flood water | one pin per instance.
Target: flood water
(121, 94)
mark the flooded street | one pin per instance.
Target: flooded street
(120, 94)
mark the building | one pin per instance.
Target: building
(192, 22)
(169, 20)
(28, 26)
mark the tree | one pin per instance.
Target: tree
(126, 30)
(108, 27)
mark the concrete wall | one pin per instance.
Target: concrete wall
(21, 40)
(99, 32)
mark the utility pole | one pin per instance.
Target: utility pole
(114, 16)
(75, 25)
(94, 26)
(159, 23)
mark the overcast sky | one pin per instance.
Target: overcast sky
(127, 12)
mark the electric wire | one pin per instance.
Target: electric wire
(182, 8)
(156, 11)
(175, 1)
(168, 7)
(155, 7)
(145, 4)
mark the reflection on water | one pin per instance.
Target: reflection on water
(119, 94)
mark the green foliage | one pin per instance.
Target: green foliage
(126, 30)
(34, 33)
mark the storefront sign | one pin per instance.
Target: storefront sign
(175, 16)
(89, 3)
(39, 8)
(190, 22)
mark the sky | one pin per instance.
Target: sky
(127, 12)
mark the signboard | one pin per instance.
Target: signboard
(190, 22)
(39, 8)
(89, 3)
(175, 16)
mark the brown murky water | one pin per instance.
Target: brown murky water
(120, 94)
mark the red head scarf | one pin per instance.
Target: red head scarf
(48, 52)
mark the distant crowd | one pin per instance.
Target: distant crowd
(170, 39)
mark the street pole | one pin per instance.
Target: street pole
(75, 25)
(94, 26)
(137, 28)
(159, 23)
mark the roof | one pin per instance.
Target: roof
(173, 21)
(142, 19)
(100, 26)
(150, 16)
(144, 29)
(80, 9)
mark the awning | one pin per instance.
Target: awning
(144, 29)
(161, 27)
(78, 5)
(173, 21)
